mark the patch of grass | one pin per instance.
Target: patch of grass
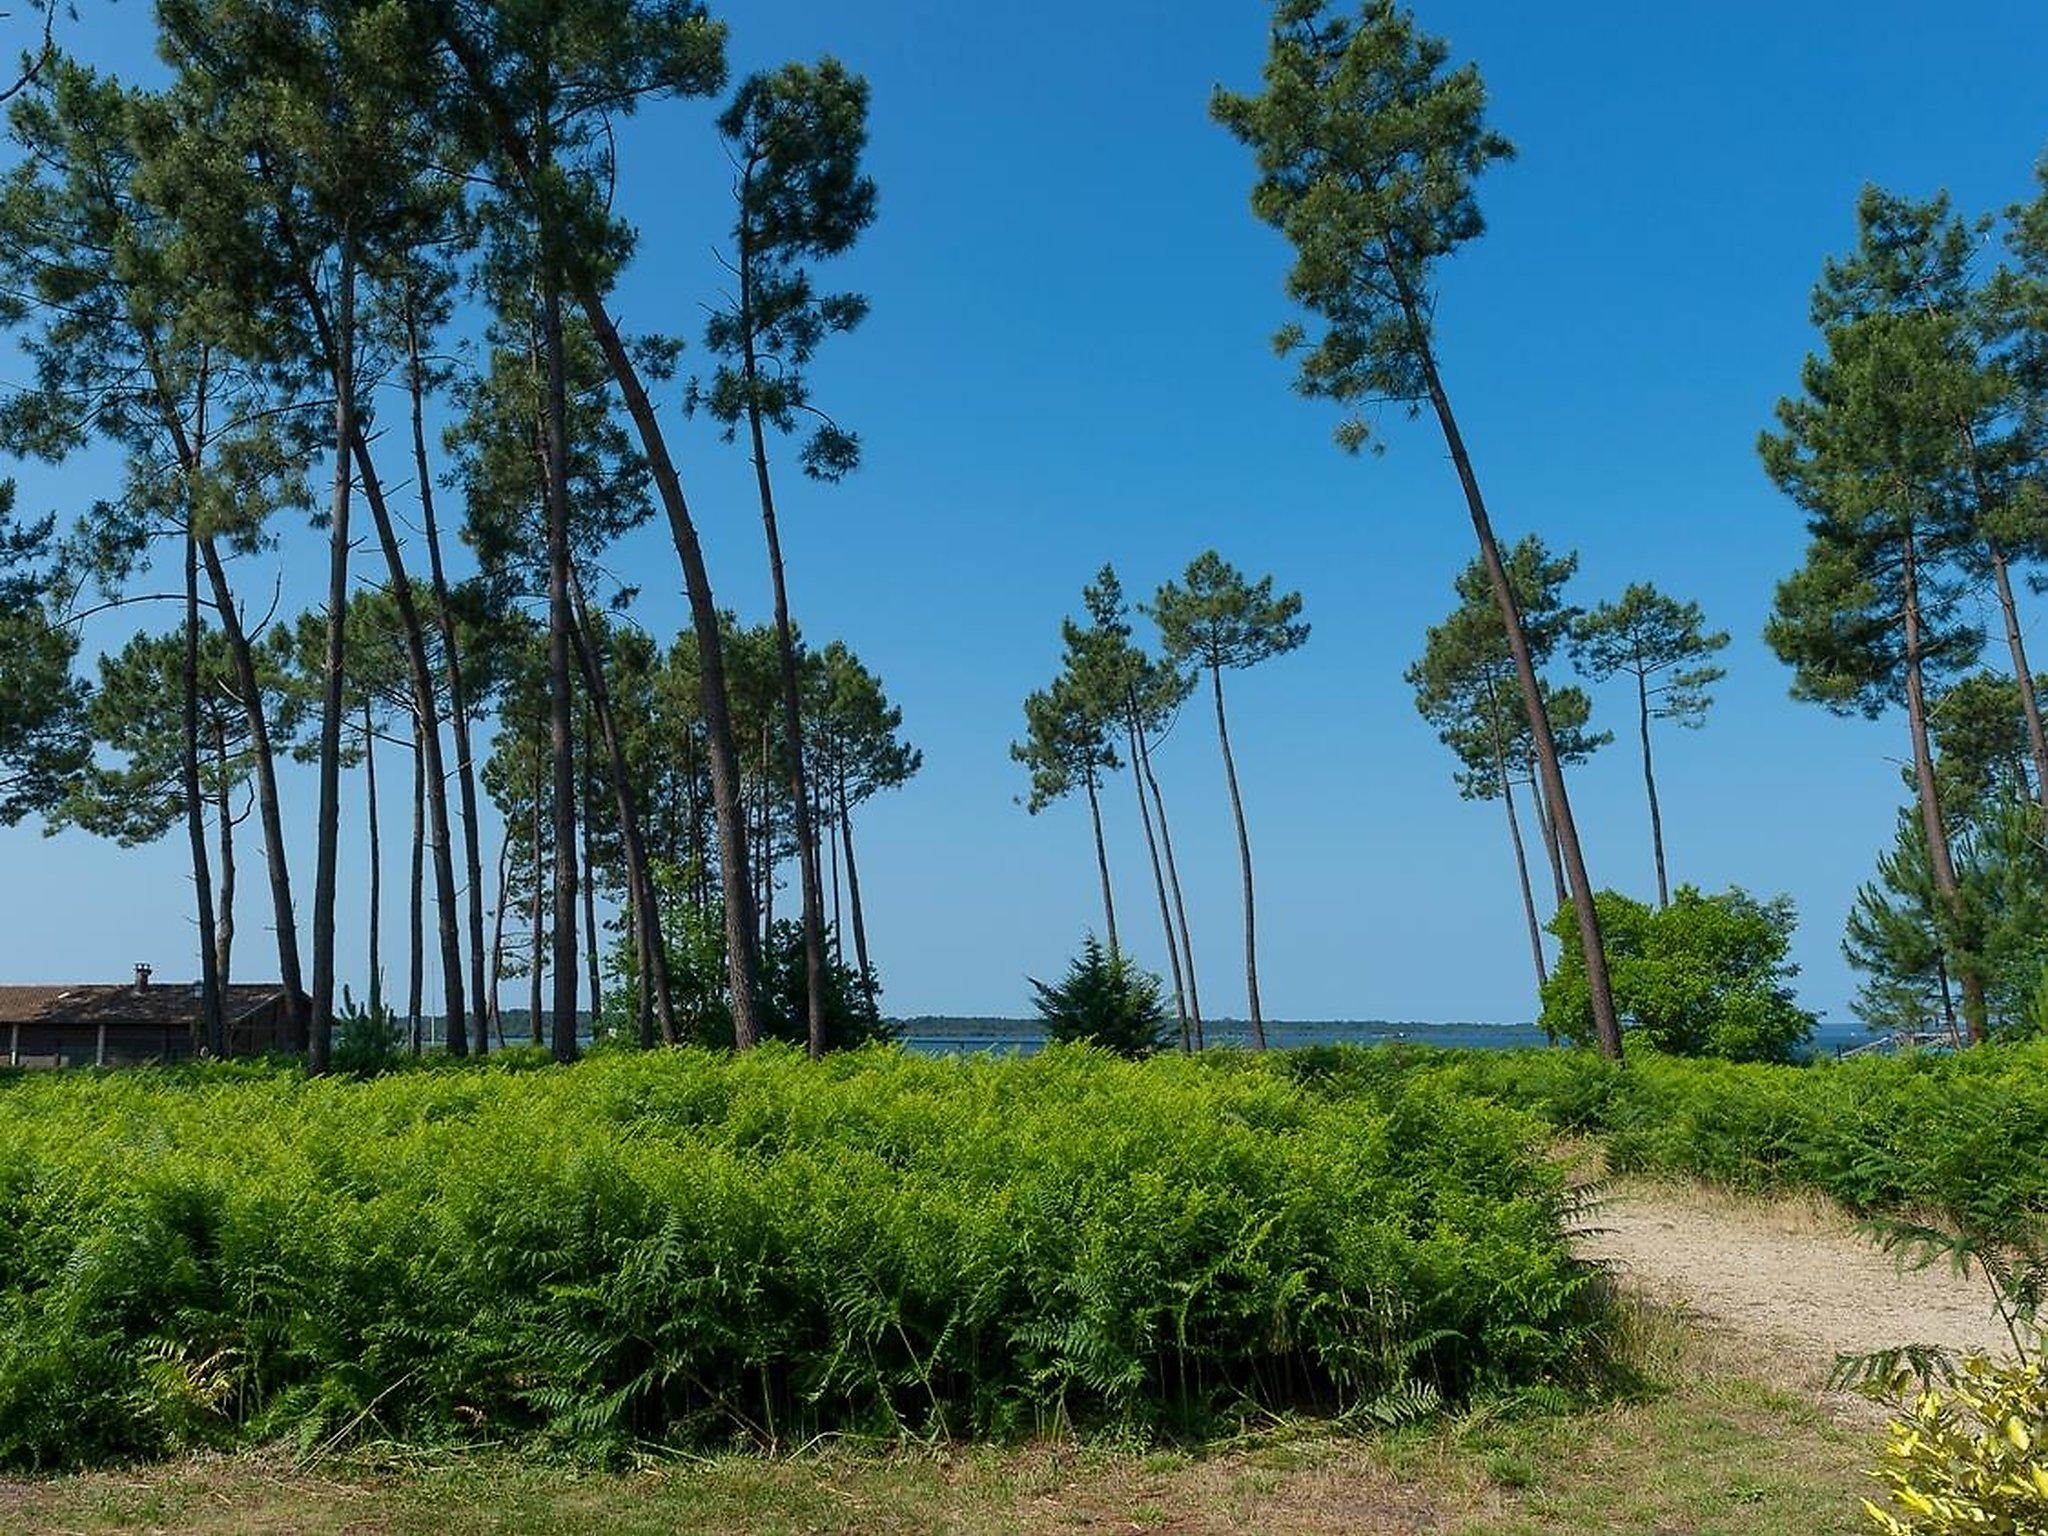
(1708, 1448)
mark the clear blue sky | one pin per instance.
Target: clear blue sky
(1067, 363)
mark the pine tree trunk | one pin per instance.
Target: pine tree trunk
(1560, 893)
(1507, 798)
(1180, 907)
(271, 819)
(1102, 859)
(451, 658)
(276, 864)
(592, 962)
(535, 1015)
(657, 996)
(340, 346)
(792, 696)
(1606, 1024)
(494, 1009)
(224, 814)
(860, 927)
(210, 1029)
(1650, 788)
(416, 895)
(1933, 824)
(376, 983)
(561, 726)
(1244, 864)
(2030, 703)
(1180, 1001)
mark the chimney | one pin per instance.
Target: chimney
(142, 978)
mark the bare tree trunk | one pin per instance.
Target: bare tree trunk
(1650, 788)
(267, 811)
(2030, 703)
(591, 959)
(451, 660)
(1180, 1001)
(540, 938)
(1180, 908)
(1932, 823)
(416, 895)
(860, 927)
(210, 1030)
(224, 813)
(1244, 864)
(246, 680)
(341, 345)
(561, 727)
(376, 983)
(1606, 1024)
(792, 698)
(657, 997)
(1560, 892)
(494, 1010)
(1102, 859)
(1507, 798)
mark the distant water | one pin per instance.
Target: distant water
(950, 1036)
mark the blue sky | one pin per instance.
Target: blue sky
(1067, 363)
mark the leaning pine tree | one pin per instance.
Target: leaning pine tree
(1368, 149)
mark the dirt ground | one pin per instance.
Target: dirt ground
(1786, 1275)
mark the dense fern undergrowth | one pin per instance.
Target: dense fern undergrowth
(687, 1249)
(1962, 1135)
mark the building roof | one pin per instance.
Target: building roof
(158, 1004)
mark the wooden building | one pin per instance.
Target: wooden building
(99, 1025)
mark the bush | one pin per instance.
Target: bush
(1969, 1457)
(1965, 1135)
(1105, 1000)
(1705, 976)
(693, 1249)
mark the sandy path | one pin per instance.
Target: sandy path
(1789, 1275)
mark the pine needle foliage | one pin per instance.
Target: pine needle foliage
(688, 1250)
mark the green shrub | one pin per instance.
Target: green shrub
(1971, 1456)
(1705, 976)
(694, 1249)
(1105, 1000)
(1963, 1134)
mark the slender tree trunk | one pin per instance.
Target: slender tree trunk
(376, 983)
(416, 895)
(656, 989)
(1545, 825)
(561, 725)
(494, 1009)
(1507, 798)
(592, 960)
(1244, 864)
(1650, 788)
(860, 927)
(1606, 1024)
(275, 861)
(538, 904)
(243, 657)
(792, 698)
(451, 659)
(224, 813)
(1180, 1000)
(1932, 823)
(341, 346)
(1948, 998)
(767, 859)
(1180, 908)
(210, 1030)
(2030, 703)
(1102, 859)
